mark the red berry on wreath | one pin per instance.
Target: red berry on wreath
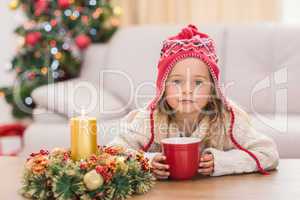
(82, 41)
(83, 165)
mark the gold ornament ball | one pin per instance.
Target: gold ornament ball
(58, 56)
(73, 17)
(14, 4)
(2, 94)
(93, 180)
(44, 70)
(117, 10)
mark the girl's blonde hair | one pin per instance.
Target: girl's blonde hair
(214, 109)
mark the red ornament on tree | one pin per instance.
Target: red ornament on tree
(33, 38)
(82, 41)
(53, 22)
(40, 6)
(64, 4)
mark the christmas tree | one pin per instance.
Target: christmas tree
(51, 44)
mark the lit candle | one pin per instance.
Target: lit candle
(83, 136)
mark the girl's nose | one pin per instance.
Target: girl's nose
(187, 88)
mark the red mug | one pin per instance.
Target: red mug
(182, 155)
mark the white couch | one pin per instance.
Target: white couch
(260, 65)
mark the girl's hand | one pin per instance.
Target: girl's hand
(159, 169)
(206, 164)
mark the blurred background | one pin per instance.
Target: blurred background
(141, 12)
(122, 13)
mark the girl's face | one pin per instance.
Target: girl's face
(188, 86)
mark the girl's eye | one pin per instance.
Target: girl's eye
(176, 81)
(198, 82)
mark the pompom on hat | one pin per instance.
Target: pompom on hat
(191, 43)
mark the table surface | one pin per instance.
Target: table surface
(284, 183)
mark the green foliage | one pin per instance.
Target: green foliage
(56, 176)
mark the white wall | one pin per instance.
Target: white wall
(290, 11)
(8, 21)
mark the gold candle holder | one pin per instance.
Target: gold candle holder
(83, 136)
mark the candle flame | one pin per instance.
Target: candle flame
(83, 112)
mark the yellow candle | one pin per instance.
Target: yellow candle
(83, 137)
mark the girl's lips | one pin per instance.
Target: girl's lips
(186, 101)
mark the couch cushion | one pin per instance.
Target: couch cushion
(94, 61)
(45, 116)
(248, 62)
(287, 62)
(134, 54)
(262, 67)
(284, 129)
(70, 97)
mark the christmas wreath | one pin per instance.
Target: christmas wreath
(111, 173)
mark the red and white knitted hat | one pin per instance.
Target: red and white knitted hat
(191, 43)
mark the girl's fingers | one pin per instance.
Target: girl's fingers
(158, 163)
(206, 170)
(160, 158)
(207, 157)
(206, 164)
(161, 173)
(206, 174)
(160, 166)
(159, 169)
(161, 177)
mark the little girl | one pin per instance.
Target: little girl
(189, 102)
